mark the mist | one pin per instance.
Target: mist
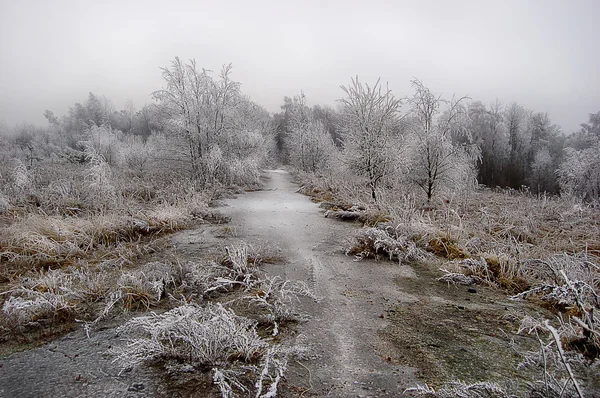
(541, 54)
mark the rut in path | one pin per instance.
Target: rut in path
(343, 328)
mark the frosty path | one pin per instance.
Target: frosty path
(344, 325)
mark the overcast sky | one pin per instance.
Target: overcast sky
(542, 54)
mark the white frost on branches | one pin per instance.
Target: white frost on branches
(206, 336)
(579, 173)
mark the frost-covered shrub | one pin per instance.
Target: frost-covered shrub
(578, 267)
(99, 175)
(20, 175)
(31, 307)
(564, 281)
(271, 299)
(373, 242)
(105, 143)
(460, 389)
(579, 173)
(202, 336)
(563, 368)
(212, 337)
(138, 291)
(54, 295)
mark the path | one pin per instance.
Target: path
(371, 317)
(344, 324)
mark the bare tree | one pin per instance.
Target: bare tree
(307, 142)
(489, 132)
(182, 101)
(440, 147)
(515, 117)
(212, 117)
(367, 121)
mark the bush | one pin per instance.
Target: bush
(202, 336)
(386, 241)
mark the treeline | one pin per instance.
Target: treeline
(201, 127)
(201, 132)
(510, 146)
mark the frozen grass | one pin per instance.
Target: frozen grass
(271, 300)
(32, 308)
(395, 243)
(564, 373)
(210, 337)
(541, 249)
(40, 240)
(460, 389)
(54, 296)
(205, 336)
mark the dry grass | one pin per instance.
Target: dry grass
(545, 250)
(40, 241)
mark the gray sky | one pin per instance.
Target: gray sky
(542, 54)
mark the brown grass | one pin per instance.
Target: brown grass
(444, 247)
(42, 241)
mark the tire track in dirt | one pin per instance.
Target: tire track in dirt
(350, 358)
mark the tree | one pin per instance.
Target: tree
(367, 122)
(210, 116)
(197, 107)
(182, 103)
(589, 134)
(545, 153)
(328, 117)
(124, 120)
(98, 110)
(307, 143)
(515, 119)
(439, 144)
(489, 132)
(579, 173)
(311, 146)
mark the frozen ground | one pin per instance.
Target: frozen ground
(378, 327)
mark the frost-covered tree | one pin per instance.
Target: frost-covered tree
(439, 149)
(368, 119)
(312, 146)
(588, 135)
(105, 141)
(545, 153)
(515, 119)
(579, 173)
(184, 104)
(211, 117)
(489, 132)
(307, 142)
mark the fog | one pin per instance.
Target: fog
(542, 54)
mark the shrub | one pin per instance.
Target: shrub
(386, 241)
(32, 307)
(203, 336)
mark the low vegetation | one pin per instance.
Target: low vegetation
(536, 248)
(85, 201)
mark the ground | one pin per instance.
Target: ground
(377, 328)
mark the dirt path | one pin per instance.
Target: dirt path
(378, 327)
(354, 298)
